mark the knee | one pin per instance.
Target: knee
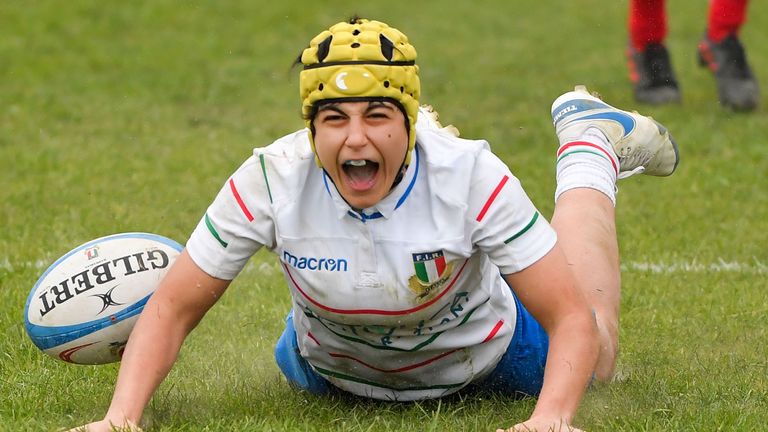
(608, 353)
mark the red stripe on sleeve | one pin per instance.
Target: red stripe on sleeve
(492, 198)
(240, 201)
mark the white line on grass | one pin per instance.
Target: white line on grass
(720, 266)
(7, 265)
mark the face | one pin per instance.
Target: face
(362, 146)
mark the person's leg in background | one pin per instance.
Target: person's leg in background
(722, 52)
(650, 67)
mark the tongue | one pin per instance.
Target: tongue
(361, 176)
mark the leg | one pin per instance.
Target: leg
(521, 369)
(647, 23)
(598, 145)
(584, 221)
(650, 68)
(722, 52)
(295, 369)
(725, 17)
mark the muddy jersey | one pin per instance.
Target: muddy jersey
(404, 300)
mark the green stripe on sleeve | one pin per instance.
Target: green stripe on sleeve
(526, 228)
(266, 180)
(214, 232)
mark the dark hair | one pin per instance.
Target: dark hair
(316, 107)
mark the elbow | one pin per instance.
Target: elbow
(595, 345)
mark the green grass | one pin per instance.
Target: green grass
(129, 116)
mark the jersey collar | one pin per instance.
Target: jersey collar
(384, 208)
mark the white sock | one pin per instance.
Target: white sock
(588, 162)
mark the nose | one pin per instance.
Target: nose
(356, 133)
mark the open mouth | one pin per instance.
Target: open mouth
(360, 173)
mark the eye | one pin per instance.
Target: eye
(379, 112)
(331, 116)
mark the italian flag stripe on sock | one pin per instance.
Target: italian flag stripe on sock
(587, 147)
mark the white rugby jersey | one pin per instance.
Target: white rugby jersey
(401, 301)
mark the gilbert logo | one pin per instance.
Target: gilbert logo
(88, 279)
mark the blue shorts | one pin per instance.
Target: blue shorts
(298, 372)
(521, 369)
(519, 372)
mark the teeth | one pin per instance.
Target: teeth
(357, 163)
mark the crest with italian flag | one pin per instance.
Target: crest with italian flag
(429, 266)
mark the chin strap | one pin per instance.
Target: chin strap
(400, 176)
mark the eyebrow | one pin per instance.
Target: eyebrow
(380, 104)
(334, 106)
(330, 106)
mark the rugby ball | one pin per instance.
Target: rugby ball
(83, 307)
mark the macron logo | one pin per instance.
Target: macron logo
(315, 264)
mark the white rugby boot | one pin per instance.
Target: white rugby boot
(641, 144)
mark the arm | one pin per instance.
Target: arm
(548, 290)
(177, 306)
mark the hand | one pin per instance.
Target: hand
(108, 426)
(542, 425)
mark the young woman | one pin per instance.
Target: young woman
(416, 263)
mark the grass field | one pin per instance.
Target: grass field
(129, 116)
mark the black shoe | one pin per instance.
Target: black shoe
(727, 60)
(651, 73)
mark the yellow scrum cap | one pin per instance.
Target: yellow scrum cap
(361, 59)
